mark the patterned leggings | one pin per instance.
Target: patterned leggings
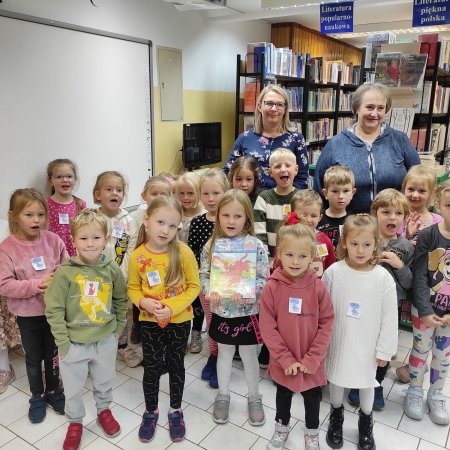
(425, 339)
(213, 349)
(173, 338)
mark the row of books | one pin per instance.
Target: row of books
(322, 100)
(350, 74)
(343, 123)
(319, 130)
(395, 69)
(277, 61)
(345, 101)
(437, 139)
(422, 98)
(373, 47)
(295, 96)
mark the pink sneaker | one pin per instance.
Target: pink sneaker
(6, 378)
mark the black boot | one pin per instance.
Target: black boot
(365, 428)
(334, 434)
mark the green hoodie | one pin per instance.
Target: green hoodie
(84, 304)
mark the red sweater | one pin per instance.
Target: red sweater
(290, 337)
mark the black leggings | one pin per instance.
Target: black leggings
(173, 338)
(39, 344)
(311, 399)
(199, 315)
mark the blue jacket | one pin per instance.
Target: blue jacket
(260, 147)
(393, 155)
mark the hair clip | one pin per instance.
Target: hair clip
(169, 181)
(362, 214)
(293, 219)
(180, 226)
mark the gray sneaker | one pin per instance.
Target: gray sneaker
(438, 408)
(196, 344)
(221, 408)
(414, 403)
(256, 415)
(279, 437)
(311, 439)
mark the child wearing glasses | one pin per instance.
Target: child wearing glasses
(62, 205)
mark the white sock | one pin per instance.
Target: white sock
(224, 364)
(4, 360)
(251, 368)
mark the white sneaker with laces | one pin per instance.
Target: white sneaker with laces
(438, 408)
(414, 403)
(279, 437)
(311, 439)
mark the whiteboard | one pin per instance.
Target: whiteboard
(77, 93)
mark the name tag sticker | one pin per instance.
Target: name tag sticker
(341, 227)
(354, 310)
(153, 278)
(321, 250)
(295, 305)
(38, 263)
(91, 289)
(117, 231)
(64, 219)
(286, 210)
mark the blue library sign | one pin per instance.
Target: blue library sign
(336, 17)
(430, 12)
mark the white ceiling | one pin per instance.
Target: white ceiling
(370, 15)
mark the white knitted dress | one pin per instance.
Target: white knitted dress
(357, 342)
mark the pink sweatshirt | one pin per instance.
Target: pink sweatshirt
(19, 279)
(292, 337)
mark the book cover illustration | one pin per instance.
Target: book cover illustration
(412, 70)
(374, 41)
(387, 68)
(233, 267)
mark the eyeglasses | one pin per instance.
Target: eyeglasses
(61, 177)
(270, 105)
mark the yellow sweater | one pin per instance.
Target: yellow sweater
(143, 261)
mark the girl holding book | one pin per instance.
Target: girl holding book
(234, 304)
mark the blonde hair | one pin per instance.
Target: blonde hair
(174, 276)
(285, 122)
(306, 197)
(358, 223)
(193, 180)
(339, 175)
(297, 231)
(282, 153)
(86, 217)
(426, 174)
(99, 182)
(389, 197)
(170, 178)
(156, 180)
(383, 90)
(442, 189)
(214, 174)
(52, 165)
(249, 226)
(19, 200)
(250, 163)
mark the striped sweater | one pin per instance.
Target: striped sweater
(269, 209)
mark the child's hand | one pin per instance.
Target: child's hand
(446, 319)
(381, 363)
(45, 282)
(304, 369)
(392, 259)
(292, 369)
(117, 336)
(150, 304)
(238, 298)
(214, 297)
(413, 223)
(432, 321)
(163, 313)
(61, 356)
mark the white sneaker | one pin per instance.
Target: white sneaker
(279, 437)
(414, 403)
(311, 439)
(438, 408)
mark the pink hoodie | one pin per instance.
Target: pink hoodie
(294, 337)
(19, 280)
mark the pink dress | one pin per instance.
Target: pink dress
(60, 216)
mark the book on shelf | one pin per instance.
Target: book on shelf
(233, 267)
(373, 47)
(322, 100)
(429, 45)
(345, 101)
(422, 98)
(418, 136)
(251, 94)
(400, 119)
(412, 70)
(295, 98)
(387, 69)
(343, 123)
(319, 130)
(254, 57)
(297, 126)
(249, 122)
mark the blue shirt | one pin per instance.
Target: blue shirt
(260, 147)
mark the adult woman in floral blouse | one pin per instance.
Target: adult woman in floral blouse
(272, 130)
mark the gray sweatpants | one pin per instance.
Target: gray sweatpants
(100, 359)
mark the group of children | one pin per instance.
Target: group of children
(320, 320)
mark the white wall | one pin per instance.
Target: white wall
(209, 50)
